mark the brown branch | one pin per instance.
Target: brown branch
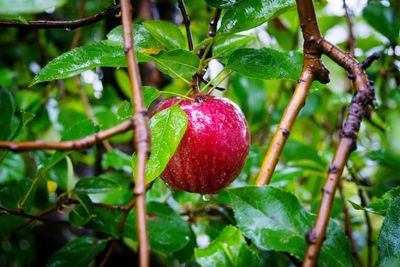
(285, 126)
(186, 21)
(212, 30)
(351, 41)
(22, 213)
(348, 228)
(142, 133)
(361, 101)
(313, 69)
(69, 145)
(60, 24)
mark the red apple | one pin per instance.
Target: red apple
(213, 149)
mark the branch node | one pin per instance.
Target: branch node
(368, 61)
(285, 131)
(311, 237)
(333, 169)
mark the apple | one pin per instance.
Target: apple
(214, 147)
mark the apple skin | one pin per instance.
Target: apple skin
(214, 148)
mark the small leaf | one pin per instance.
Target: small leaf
(95, 185)
(28, 6)
(274, 220)
(381, 205)
(389, 236)
(167, 33)
(7, 108)
(228, 249)
(117, 160)
(251, 13)
(12, 168)
(150, 94)
(266, 63)
(167, 129)
(78, 253)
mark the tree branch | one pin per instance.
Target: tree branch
(313, 69)
(186, 21)
(361, 101)
(285, 126)
(60, 24)
(142, 133)
(69, 145)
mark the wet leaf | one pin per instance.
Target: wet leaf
(167, 33)
(28, 6)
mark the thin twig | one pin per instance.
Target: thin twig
(212, 30)
(142, 134)
(363, 201)
(22, 213)
(348, 228)
(60, 24)
(186, 21)
(77, 144)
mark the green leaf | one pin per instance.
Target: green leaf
(80, 59)
(266, 63)
(252, 97)
(251, 13)
(222, 4)
(381, 205)
(94, 185)
(383, 19)
(78, 253)
(7, 109)
(228, 249)
(27, 6)
(12, 168)
(79, 130)
(167, 33)
(225, 45)
(167, 231)
(177, 62)
(142, 37)
(117, 160)
(274, 220)
(150, 94)
(389, 236)
(167, 129)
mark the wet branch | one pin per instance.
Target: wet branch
(186, 21)
(142, 135)
(69, 145)
(61, 24)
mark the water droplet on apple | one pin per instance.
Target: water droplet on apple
(206, 197)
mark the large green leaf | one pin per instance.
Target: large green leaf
(222, 3)
(7, 108)
(167, 33)
(251, 13)
(27, 6)
(383, 19)
(251, 94)
(80, 59)
(266, 63)
(142, 38)
(167, 231)
(177, 62)
(228, 249)
(167, 129)
(79, 252)
(225, 45)
(389, 236)
(274, 220)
